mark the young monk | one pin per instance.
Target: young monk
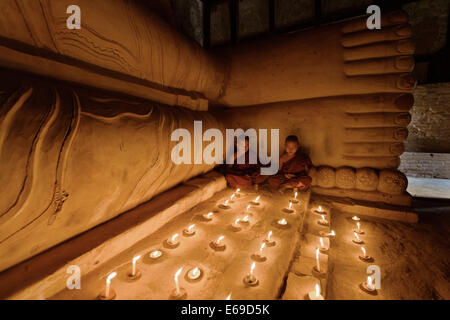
(243, 175)
(294, 166)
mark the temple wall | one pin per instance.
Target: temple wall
(117, 39)
(73, 158)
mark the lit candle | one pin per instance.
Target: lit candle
(229, 297)
(263, 245)
(290, 205)
(155, 254)
(245, 219)
(256, 201)
(364, 252)
(108, 283)
(315, 295)
(320, 209)
(232, 197)
(269, 236)
(250, 279)
(173, 240)
(356, 239)
(190, 230)
(332, 233)
(322, 245)
(208, 216)
(133, 271)
(177, 285)
(295, 200)
(282, 222)
(317, 259)
(217, 245)
(355, 218)
(194, 273)
(226, 203)
(323, 221)
(252, 269)
(235, 225)
(238, 190)
(358, 228)
(248, 207)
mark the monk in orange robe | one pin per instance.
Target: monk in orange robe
(244, 175)
(294, 166)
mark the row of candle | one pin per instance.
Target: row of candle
(195, 272)
(367, 286)
(316, 295)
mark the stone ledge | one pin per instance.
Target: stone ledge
(374, 196)
(45, 274)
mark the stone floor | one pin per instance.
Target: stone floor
(414, 259)
(223, 272)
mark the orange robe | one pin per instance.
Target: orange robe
(244, 175)
(298, 166)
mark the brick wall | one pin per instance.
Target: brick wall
(429, 130)
(425, 165)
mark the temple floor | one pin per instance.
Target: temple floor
(411, 257)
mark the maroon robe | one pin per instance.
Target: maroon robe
(244, 175)
(298, 166)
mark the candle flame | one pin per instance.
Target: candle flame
(229, 297)
(282, 221)
(174, 237)
(110, 277)
(248, 207)
(269, 235)
(209, 215)
(290, 204)
(238, 190)
(317, 259)
(257, 198)
(232, 196)
(220, 239)
(332, 233)
(355, 218)
(245, 219)
(196, 271)
(177, 274)
(262, 247)
(317, 290)
(136, 259)
(320, 209)
(253, 267)
(364, 251)
(356, 236)
(296, 195)
(358, 225)
(226, 203)
(323, 217)
(191, 227)
(237, 221)
(321, 242)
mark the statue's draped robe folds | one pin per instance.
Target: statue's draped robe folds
(73, 158)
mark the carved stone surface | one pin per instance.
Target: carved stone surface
(326, 177)
(392, 182)
(366, 179)
(345, 178)
(72, 159)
